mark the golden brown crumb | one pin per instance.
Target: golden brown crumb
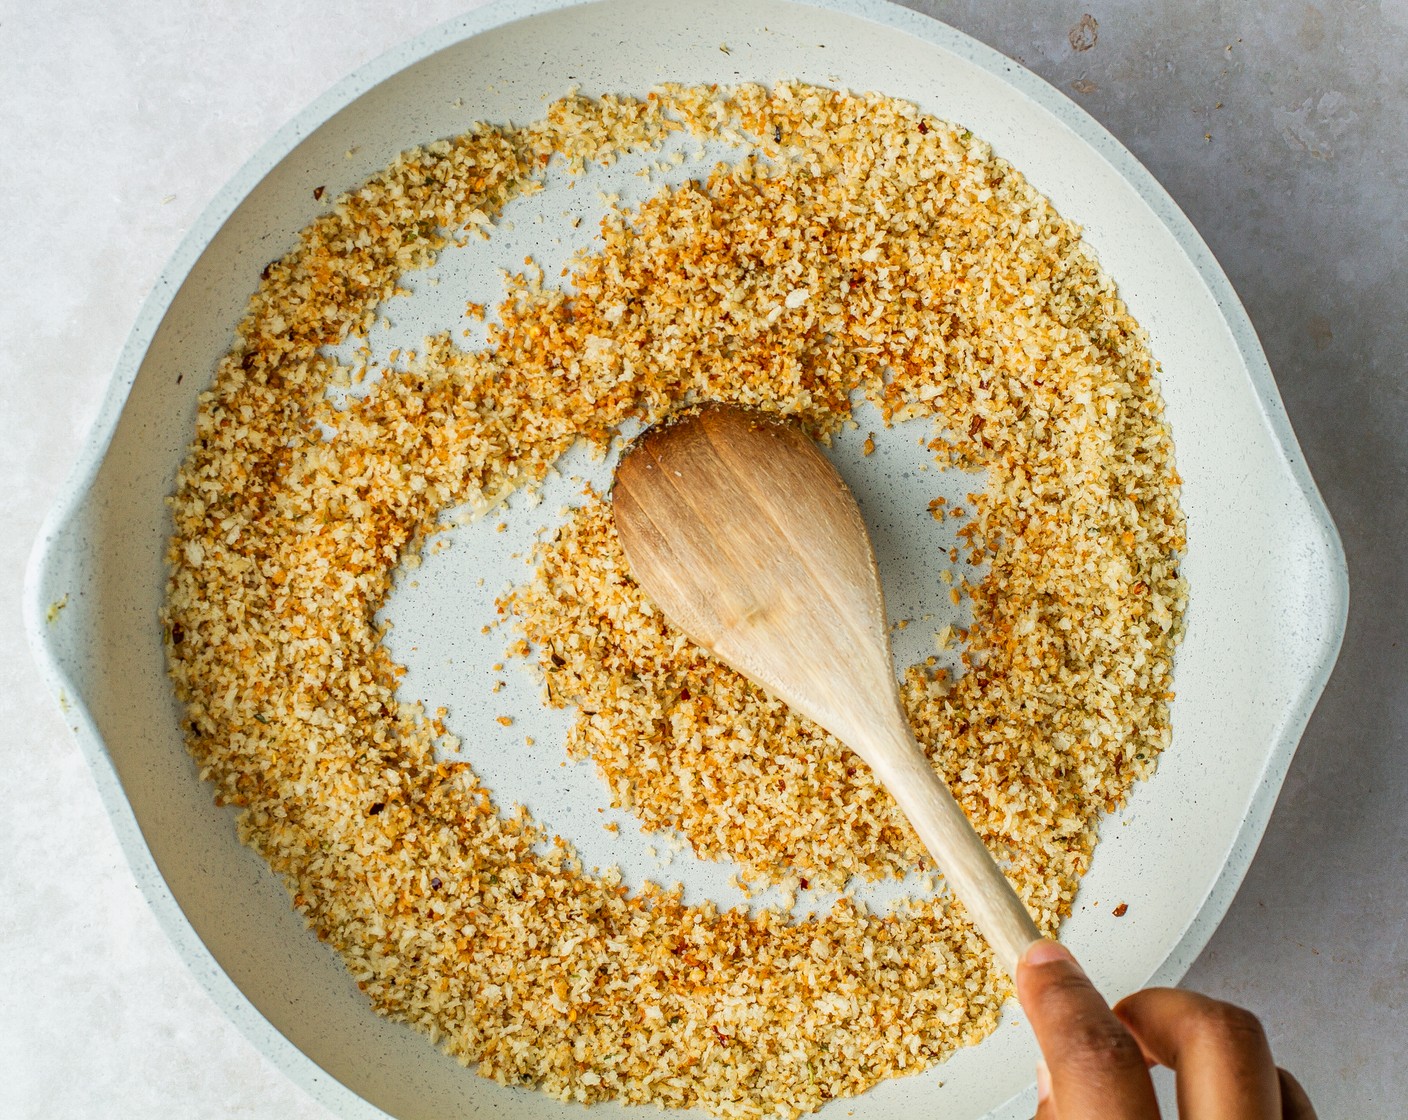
(881, 250)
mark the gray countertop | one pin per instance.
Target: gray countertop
(1279, 126)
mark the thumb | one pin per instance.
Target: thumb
(1097, 1070)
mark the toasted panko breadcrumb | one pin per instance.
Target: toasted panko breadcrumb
(861, 246)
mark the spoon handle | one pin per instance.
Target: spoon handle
(963, 858)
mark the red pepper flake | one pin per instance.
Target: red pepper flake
(318, 193)
(377, 807)
(923, 128)
(804, 883)
(1121, 910)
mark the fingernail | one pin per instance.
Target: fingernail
(1043, 1082)
(1047, 952)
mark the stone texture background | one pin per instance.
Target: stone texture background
(1280, 126)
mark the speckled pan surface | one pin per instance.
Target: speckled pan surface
(1268, 583)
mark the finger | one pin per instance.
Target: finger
(1295, 1104)
(1097, 1069)
(1218, 1052)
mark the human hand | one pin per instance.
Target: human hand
(1096, 1059)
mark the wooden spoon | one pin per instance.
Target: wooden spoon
(742, 533)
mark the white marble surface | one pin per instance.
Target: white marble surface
(1278, 125)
